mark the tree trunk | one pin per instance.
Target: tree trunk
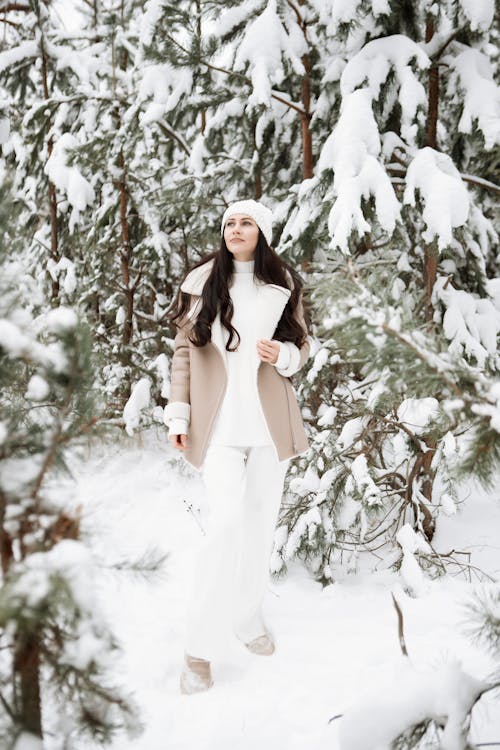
(125, 257)
(305, 119)
(54, 249)
(203, 114)
(27, 681)
(125, 252)
(433, 92)
(430, 253)
(6, 549)
(257, 172)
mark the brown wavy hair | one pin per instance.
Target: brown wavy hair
(268, 267)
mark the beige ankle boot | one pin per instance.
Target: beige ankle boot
(196, 675)
(263, 645)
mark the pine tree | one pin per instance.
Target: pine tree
(371, 131)
(54, 641)
(404, 389)
(419, 706)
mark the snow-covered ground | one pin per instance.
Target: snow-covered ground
(332, 643)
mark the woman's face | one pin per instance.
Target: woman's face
(241, 234)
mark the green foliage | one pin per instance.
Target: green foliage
(48, 406)
(483, 618)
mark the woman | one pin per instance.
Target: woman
(233, 413)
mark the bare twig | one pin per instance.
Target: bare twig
(15, 6)
(7, 707)
(337, 716)
(401, 635)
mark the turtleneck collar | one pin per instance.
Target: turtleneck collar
(243, 266)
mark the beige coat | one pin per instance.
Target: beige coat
(199, 374)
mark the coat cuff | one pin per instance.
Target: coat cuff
(178, 427)
(176, 410)
(292, 363)
(283, 360)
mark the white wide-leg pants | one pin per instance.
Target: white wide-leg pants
(244, 488)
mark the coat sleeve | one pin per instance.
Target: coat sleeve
(291, 358)
(178, 406)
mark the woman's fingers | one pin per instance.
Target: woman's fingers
(266, 343)
(268, 350)
(178, 441)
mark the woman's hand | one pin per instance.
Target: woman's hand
(179, 441)
(268, 350)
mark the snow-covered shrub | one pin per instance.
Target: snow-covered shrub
(409, 705)
(400, 418)
(402, 399)
(370, 132)
(53, 637)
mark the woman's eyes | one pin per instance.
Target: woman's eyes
(230, 223)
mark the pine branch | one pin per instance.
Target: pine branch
(15, 6)
(421, 355)
(245, 78)
(14, 24)
(480, 182)
(50, 455)
(469, 178)
(169, 131)
(8, 708)
(442, 48)
(151, 562)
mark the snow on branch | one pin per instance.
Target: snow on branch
(17, 54)
(478, 12)
(406, 696)
(443, 194)
(139, 400)
(373, 64)
(151, 16)
(472, 76)
(68, 179)
(406, 699)
(470, 323)
(165, 85)
(335, 14)
(85, 65)
(351, 151)
(264, 43)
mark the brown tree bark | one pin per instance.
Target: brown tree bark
(257, 170)
(54, 242)
(27, 678)
(198, 28)
(6, 550)
(14, 6)
(430, 254)
(125, 256)
(305, 119)
(305, 95)
(125, 250)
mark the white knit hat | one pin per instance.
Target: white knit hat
(262, 216)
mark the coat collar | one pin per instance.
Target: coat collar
(272, 302)
(195, 280)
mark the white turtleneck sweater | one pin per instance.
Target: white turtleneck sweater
(240, 420)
